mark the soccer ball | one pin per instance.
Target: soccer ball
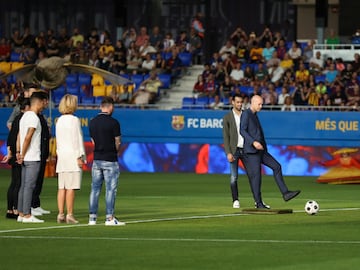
(311, 207)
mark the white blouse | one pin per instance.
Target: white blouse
(69, 143)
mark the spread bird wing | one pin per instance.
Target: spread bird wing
(109, 76)
(24, 73)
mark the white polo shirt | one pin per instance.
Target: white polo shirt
(30, 120)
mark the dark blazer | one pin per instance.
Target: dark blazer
(251, 130)
(230, 134)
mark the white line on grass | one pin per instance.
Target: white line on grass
(161, 220)
(186, 239)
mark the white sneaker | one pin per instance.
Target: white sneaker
(32, 219)
(19, 219)
(114, 222)
(92, 222)
(236, 204)
(41, 210)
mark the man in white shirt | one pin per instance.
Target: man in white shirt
(28, 154)
(237, 74)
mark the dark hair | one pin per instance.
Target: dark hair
(107, 100)
(39, 95)
(23, 102)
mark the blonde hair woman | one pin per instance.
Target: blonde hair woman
(70, 157)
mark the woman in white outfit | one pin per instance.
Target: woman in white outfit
(70, 157)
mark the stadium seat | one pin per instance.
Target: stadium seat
(15, 57)
(5, 67)
(71, 79)
(99, 90)
(97, 80)
(186, 58)
(166, 55)
(201, 102)
(87, 100)
(98, 100)
(73, 90)
(165, 79)
(137, 79)
(320, 78)
(84, 79)
(16, 65)
(187, 103)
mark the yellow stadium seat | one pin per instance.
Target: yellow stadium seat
(99, 90)
(16, 65)
(5, 67)
(97, 80)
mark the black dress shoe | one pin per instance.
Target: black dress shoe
(290, 195)
(261, 205)
(11, 215)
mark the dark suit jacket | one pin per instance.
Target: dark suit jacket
(251, 130)
(230, 134)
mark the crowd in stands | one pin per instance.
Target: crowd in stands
(145, 53)
(287, 74)
(284, 72)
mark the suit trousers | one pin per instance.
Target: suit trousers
(252, 163)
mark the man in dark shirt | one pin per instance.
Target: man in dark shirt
(105, 134)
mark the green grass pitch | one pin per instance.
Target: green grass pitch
(186, 221)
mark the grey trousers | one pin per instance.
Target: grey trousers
(29, 174)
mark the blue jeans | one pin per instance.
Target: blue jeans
(29, 174)
(234, 171)
(108, 172)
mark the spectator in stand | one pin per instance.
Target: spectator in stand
(249, 75)
(287, 63)
(94, 60)
(16, 41)
(331, 74)
(295, 54)
(308, 51)
(220, 73)
(118, 64)
(356, 62)
(195, 43)
(133, 62)
(215, 59)
(268, 51)
(105, 54)
(242, 51)
(150, 88)
(299, 95)
(129, 36)
(199, 86)
(338, 98)
(182, 42)
(146, 48)
(339, 64)
(316, 64)
(5, 50)
(353, 99)
(302, 75)
(270, 96)
(288, 105)
(226, 88)
(346, 74)
(198, 26)
(332, 38)
(216, 104)
(173, 65)
(143, 35)
(282, 96)
(313, 97)
(53, 48)
(351, 84)
(321, 88)
(148, 64)
(28, 38)
(237, 75)
(281, 49)
(156, 38)
(237, 35)
(207, 71)
(76, 37)
(159, 63)
(125, 96)
(288, 78)
(266, 36)
(168, 43)
(261, 74)
(256, 53)
(210, 87)
(227, 50)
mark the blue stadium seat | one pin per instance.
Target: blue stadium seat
(137, 79)
(186, 59)
(320, 78)
(187, 103)
(71, 79)
(84, 79)
(73, 90)
(165, 79)
(87, 100)
(15, 57)
(98, 100)
(59, 91)
(201, 102)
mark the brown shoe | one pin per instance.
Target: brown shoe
(71, 220)
(60, 218)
